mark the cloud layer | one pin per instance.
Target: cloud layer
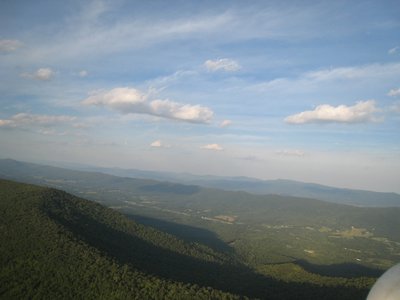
(363, 111)
(129, 100)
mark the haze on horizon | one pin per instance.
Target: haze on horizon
(303, 90)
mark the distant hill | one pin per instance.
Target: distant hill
(191, 200)
(195, 205)
(257, 186)
(14, 169)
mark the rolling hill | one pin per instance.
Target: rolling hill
(292, 240)
(57, 246)
(257, 186)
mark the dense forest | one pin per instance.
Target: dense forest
(55, 245)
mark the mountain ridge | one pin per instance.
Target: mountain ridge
(284, 187)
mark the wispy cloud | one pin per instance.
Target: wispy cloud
(26, 119)
(372, 70)
(129, 100)
(222, 64)
(89, 29)
(361, 112)
(10, 45)
(394, 50)
(213, 147)
(83, 73)
(6, 123)
(394, 92)
(159, 144)
(225, 123)
(290, 152)
(314, 79)
(40, 74)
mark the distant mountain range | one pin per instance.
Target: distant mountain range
(9, 167)
(258, 186)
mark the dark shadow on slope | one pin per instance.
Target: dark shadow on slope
(185, 232)
(126, 248)
(346, 270)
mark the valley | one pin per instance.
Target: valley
(289, 239)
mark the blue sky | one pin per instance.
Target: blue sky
(304, 90)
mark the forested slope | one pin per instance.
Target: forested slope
(57, 246)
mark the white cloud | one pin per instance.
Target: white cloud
(225, 123)
(156, 144)
(224, 64)
(121, 99)
(363, 111)
(394, 92)
(25, 119)
(83, 73)
(214, 147)
(290, 152)
(159, 144)
(130, 100)
(9, 45)
(394, 50)
(40, 74)
(6, 123)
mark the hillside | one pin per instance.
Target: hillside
(54, 245)
(267, 239)
(145, 194)
(322, 224)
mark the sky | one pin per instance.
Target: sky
(302, 90)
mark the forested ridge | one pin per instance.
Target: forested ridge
(57, 246)
(53, 246)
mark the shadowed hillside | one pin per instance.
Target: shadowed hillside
(54, 245)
